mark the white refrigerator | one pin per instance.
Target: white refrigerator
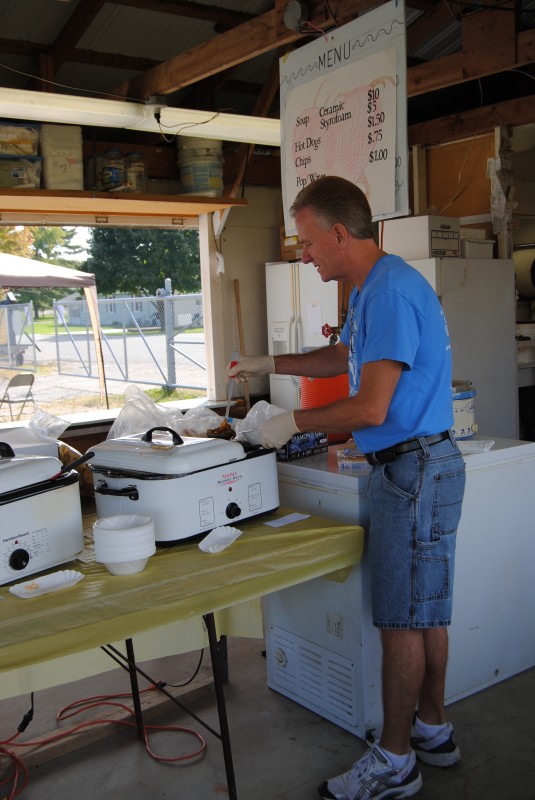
(299, 303)
(479, 302)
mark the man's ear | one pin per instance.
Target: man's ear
(340, 232)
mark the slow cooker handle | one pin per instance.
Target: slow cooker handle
(130, 491)
(6, 451)
(147, 437)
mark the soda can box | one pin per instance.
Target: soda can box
(302, 445)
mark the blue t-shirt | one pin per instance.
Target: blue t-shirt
(397, 316)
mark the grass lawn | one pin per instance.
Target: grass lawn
(46, 327)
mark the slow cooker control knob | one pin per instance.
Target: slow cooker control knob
(233, 510)
(19, 558)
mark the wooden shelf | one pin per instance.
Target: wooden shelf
(41, 206)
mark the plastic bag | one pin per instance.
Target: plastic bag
(247, 429)
(197, 421)
(138, 415)
(46, 425)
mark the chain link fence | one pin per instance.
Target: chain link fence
(18, 349)
(148, 340)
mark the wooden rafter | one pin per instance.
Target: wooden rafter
(475, 122)
(216, 14)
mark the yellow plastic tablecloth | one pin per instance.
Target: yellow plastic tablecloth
(178, 583)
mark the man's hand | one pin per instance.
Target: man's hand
(250, 367)
(277, 430)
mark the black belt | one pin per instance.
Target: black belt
(391, 453)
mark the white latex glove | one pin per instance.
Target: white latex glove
(277, 430)
(249, 367)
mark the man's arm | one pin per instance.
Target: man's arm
(369, 407)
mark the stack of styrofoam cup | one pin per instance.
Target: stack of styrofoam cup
(124, 542)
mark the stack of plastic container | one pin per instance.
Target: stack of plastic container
(124, 542)
(20, 166)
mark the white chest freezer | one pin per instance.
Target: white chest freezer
(322, 649)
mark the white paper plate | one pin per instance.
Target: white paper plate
(43, 584)
(219, 538)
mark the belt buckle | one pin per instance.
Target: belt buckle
(379, 458)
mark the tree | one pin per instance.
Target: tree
(138, 260)
(55, 245)
(16, 241)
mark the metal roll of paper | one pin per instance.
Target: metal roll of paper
(524, 261)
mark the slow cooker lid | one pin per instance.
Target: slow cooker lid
(163, 455)
(20, 471)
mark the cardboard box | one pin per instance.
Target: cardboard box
(290, 248)
(302, 445)
(18, 172)
(422, 237)
(18, 139)
(477, 248)
(61, 149)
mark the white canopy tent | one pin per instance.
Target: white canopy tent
(17, 272)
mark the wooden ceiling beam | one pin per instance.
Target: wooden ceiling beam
(113, 60)
(79, 55)
(17, 47)
(71, 33)
(520, 111)
(490, 45)
(216, 14)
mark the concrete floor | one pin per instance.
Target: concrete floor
(281, 751)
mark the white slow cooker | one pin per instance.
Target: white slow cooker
(188, 485)
(40, 516)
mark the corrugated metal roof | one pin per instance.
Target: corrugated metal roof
(144, 36)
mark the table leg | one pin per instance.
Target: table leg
(222, 649)
(135, 689)
(218, 673)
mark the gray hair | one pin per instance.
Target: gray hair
(333, 200)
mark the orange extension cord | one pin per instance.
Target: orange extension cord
(18, 777)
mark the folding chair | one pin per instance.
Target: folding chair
(18, 392)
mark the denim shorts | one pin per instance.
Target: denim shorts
(415, 508)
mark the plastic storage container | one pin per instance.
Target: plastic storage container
(17, 172)
(317, 392)
(200, 163)
(18, 139)
(463, 395)
(136, 173)
(112, 174)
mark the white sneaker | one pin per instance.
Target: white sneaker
(374, 776)
(439, 751)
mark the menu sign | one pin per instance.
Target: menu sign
(341, 112)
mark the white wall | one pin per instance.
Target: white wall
(250, 237)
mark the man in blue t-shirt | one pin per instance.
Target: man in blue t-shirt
(395, 345)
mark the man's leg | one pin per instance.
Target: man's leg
(431, 698)
(404, 667)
